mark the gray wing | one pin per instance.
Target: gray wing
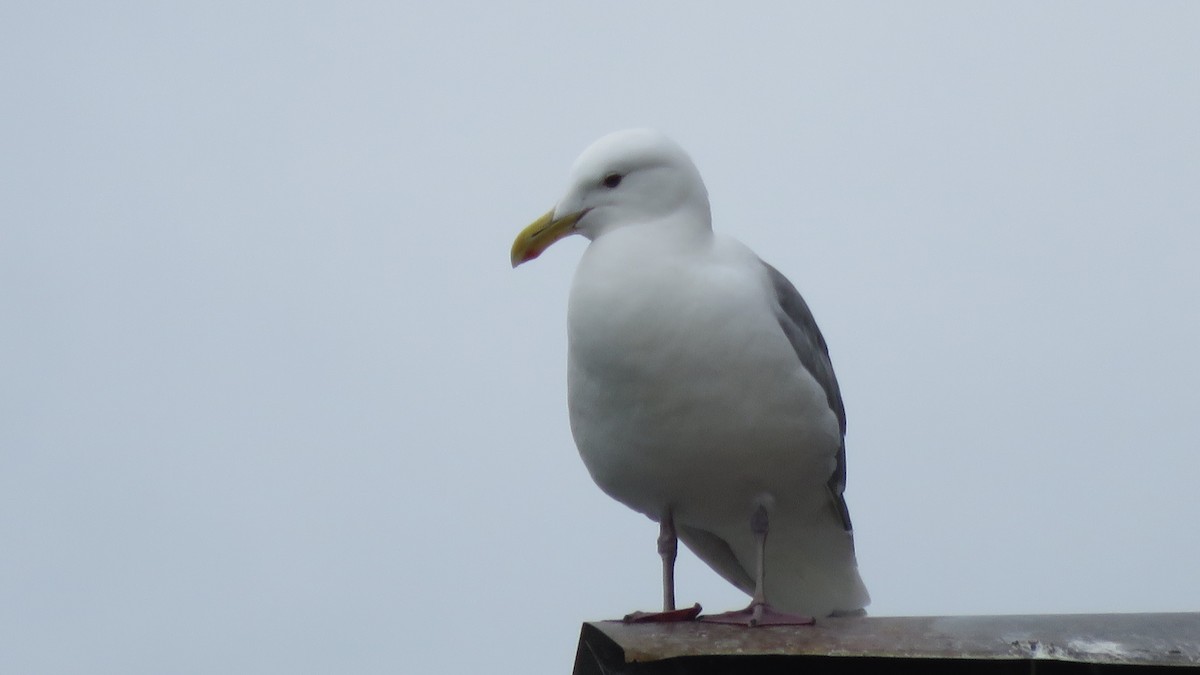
(797, 322)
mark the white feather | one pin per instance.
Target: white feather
(685, 393)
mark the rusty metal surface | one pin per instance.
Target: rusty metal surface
(1104, 639)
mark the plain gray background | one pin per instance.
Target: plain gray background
(274, 402)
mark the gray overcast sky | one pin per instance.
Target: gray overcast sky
(275, 402)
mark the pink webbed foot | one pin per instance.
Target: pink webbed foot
(759, 614)
(685, 614)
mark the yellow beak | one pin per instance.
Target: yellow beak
(541, 233)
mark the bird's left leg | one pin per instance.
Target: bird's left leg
(760, 612)
(668, 548)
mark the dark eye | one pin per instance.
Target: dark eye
(612, 180)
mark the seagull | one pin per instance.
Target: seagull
(700, 390)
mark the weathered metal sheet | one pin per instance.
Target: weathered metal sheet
(1095, 641)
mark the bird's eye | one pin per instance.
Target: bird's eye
(612, 180)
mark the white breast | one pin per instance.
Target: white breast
(684, 391)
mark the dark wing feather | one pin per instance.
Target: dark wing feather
(797, 322)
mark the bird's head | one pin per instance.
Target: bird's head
(633, 177)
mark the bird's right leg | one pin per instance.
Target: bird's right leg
(668, 548)
(760, 612)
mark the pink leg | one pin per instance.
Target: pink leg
(668, 548)
(760, 612)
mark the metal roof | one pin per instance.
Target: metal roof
(994, 644)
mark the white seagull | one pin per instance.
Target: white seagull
(701, 393)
